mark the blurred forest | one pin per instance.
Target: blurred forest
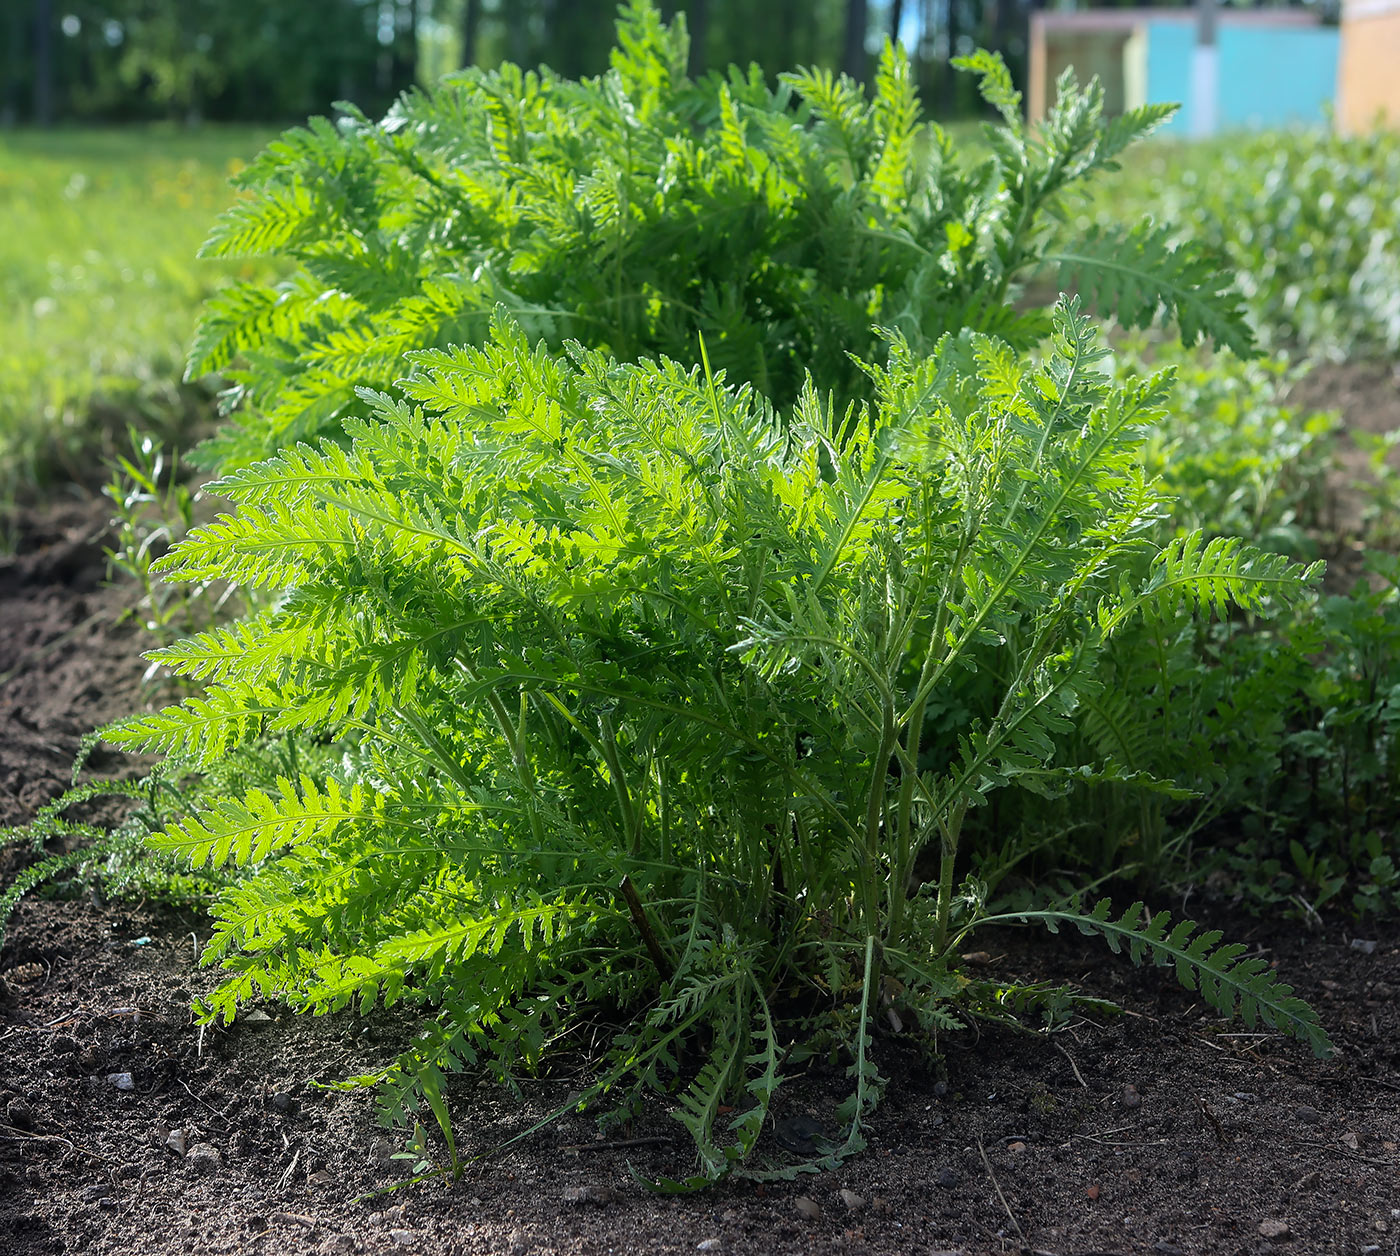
(276, 60)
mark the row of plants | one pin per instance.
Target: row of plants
(686, 572)
(1305, 219)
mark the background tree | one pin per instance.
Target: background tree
(266, 60)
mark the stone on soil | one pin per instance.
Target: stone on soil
(204, 1157)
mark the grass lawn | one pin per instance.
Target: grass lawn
(100, 285)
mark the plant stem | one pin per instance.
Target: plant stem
(639, 918)
(952, 831)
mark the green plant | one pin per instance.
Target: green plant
(1285, 734)
(1208, 705)
(68, 847)
(1235, 457)
(1380, 487)
(631, 677)
(152, 507)
(640, 210)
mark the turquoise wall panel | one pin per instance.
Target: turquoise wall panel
(1277, 77)
(1169, 47)
(1284, 76)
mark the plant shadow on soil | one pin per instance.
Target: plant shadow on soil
(1161, 1130)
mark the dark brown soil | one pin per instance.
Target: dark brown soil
(1158, 1131)
(1368, 396)
(66, 662)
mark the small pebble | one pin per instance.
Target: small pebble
(1351, 1141)
(256, 1019)
(403, 1238)
(284, 1103)
(1272, 1228)
(1130, 1097)
(94, 1191)
(519, 1240)
(1306, 1115)
(1092, 1191)
(710, 1245)
(589, 1193)
(1367, 946)
(1016, 1148)
(122, 1081)
(19, 1114)
(852, 1201)
(808, 1208)
(204, 1157)
(177, 1141)
(947, 1178)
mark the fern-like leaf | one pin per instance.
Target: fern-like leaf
(1231, 981)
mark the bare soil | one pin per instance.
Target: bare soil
(1367, 394)
(126, 1130)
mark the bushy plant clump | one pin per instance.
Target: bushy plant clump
(678, 688)
(637, 671)
(642, 210)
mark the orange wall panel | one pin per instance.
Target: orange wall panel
(1368, 77)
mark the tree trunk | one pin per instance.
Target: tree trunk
(697, 18)
(471, 23)
(43, 62)
(407, 43)
(927, 51)
(517, 36)
(950, 77)
(853, 54)
(896, 20)
(14, 53)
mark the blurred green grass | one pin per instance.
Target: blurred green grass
(100, 288)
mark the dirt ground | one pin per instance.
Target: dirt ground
(126, 1130)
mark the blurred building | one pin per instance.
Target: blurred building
(1369, 75)
(1273, 67)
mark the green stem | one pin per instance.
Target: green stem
(903, 858)
(874, 822)
(631, 825)
(515, 741)
(952, 831)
